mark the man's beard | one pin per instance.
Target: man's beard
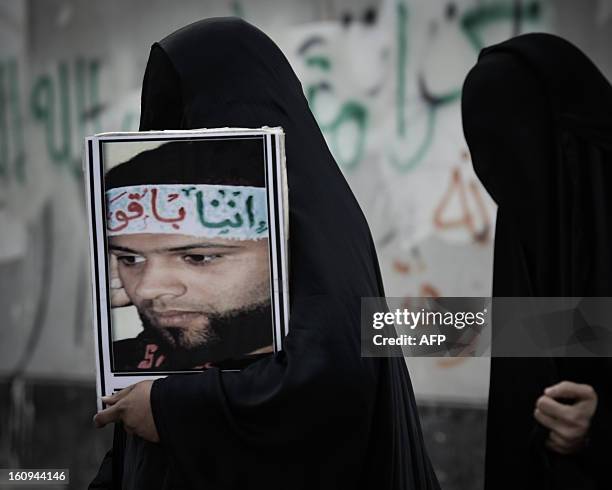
(230, 335)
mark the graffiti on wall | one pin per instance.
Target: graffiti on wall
(384, 85)
(64, 103)
(43, 124)
(355, 111)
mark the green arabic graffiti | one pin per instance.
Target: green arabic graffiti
(481, 16)
(51, 103)
(473, 21)
(64, 102)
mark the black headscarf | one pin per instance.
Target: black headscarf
(317, 415)
(537, 116)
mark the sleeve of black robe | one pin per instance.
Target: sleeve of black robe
(300, 420)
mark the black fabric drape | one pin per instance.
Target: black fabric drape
(537, 116)
(316, 415)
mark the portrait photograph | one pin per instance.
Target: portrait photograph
(189, 258)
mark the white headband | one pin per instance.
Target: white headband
(202, 210)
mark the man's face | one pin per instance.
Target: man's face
(180, 283)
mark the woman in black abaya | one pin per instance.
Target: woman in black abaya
(537, 117)
(317, 415)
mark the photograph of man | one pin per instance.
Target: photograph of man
(188, 248)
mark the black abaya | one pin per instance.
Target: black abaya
(317, 415)
(537, 117)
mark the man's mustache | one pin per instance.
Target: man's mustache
(158, 308)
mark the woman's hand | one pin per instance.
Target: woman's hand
(132, 406)
(568, 423)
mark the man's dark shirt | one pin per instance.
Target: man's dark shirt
(149, 352)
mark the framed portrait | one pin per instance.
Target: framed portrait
(188, 236)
